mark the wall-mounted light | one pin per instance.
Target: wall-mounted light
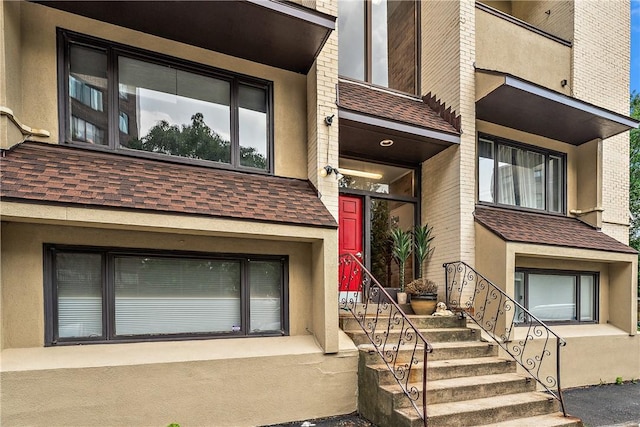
(328, 170)
(563, 82)
(361, 174)
(328, 120)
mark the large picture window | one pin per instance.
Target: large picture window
(129, 100)
(104, 295)
(378, 42)
(514, 175)
(558, 296)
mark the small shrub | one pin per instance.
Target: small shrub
(618, 380)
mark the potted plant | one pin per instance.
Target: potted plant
(401, 252)
(425, 292)
(424, 296)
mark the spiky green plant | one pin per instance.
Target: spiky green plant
(402, 246)
(422, 238)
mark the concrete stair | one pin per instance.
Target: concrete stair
(467, 384)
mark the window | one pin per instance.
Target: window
(378, 42)
(558, 296)
(515, 175)
(145, 102)
(98, 295)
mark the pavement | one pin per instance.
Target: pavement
(607, 405)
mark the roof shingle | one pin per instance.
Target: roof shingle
(51, 173)
(399, 108)
(544, 229)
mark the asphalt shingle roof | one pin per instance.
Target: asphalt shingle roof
(545, 229)
(399, 108)
(59, 174)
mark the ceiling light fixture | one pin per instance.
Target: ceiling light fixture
(361, 174)
(386, 143)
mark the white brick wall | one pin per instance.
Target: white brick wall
(601, 77)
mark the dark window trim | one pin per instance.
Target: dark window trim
(520, 145)
(576, 274)
(108, 311)
(368, 46)
(113, 50)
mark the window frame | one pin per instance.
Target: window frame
(114, 50)
(567, 273)
(368, 49)
(499, 141)
(108, 254)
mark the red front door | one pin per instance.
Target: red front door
(350, 235)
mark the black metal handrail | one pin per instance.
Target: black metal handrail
(497, 314)
(386, 325)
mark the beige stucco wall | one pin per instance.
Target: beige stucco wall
(228, 382)
(614, 336)
(509, 48)
(22, 276)
(37, 89)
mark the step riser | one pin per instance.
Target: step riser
(439, 354)
(445, 372)
(455, 394)
(349, 323)
(431, 336)
(458, 371)
(494, 415)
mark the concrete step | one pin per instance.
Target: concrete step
(446, 369)
(484, 411)
(441, 351)
(457, 389)
(431, 335)
(348, 322)
(456, 368)
(557, 419)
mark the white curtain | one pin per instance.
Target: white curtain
(521, 177)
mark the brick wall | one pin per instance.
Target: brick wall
(448, 179)
(601, 76)
(322, 143)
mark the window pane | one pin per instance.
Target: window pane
(393, 44)
(156, 295)
(253, 130)
(175, 112)
(521, 180)
(587, 296)
(79, 287)
(266, 295)
(88, 96)
(552, 297)
(351, 52)
(376, 178)
(556, 180)
(519, 295)
(387, 215)
(485, 170)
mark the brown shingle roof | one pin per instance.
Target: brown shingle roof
(544, 229)
(399, 108)
(60, 174)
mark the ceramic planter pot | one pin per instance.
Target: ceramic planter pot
(424, 304)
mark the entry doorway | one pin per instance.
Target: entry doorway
(375, 199)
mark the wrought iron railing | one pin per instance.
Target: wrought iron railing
(387, 327)
(535, 349)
